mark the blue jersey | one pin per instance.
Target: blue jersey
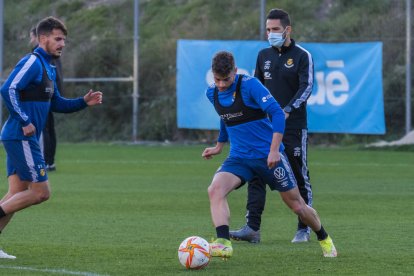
(250, 140)
(28, 73)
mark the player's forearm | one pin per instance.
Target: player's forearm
(63, 105)
(223, 135)
(278, 118)
(276, 141)
(11, 99)
(219, 146)
(305, 85)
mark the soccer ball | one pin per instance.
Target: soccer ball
(194, 253)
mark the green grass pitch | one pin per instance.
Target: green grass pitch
(123, 210)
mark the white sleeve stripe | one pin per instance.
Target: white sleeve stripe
(12, 87)
(306, 93)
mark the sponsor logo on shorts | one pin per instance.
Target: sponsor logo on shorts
(279, 173)
(296, 151)
(267, 75)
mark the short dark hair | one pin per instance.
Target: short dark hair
(281, 15)
(48, 24)
(223, 63)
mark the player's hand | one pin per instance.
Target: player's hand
(286, 114)
(29, 130)
(209, 152)
(93, 98)
(272, 159)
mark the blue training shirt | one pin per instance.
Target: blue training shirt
(250, 140)
(29, 71)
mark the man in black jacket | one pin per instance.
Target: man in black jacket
(286, 69)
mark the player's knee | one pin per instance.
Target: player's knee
(45, 196)
(41, 196)
(213, 191)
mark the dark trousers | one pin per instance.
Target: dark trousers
(49, 140)
(296, 142)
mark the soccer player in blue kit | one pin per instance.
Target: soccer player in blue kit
(29, 92)
(286, 69)
(256, 149)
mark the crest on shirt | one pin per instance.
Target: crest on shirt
(42, 172)
(289, 63)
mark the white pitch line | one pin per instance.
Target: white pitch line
(361, 164)
(60, 271)
(183, 162)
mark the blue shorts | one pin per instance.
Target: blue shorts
(279, 178)
(25, 159)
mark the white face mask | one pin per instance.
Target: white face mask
(276, 39)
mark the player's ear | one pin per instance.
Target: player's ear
(289, 30)
(42, 38)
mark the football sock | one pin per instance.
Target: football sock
(2, 213)
(301, 225)
(223, 232)
(253, 220)
(254, 226)
(321, 234)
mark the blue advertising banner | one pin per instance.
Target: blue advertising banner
(347, 95)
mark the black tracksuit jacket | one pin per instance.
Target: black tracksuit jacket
(288, 75)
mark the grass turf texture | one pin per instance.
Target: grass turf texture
(124, 210)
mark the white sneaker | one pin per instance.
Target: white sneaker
(4, 255)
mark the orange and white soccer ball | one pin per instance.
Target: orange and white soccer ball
(194, 253)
